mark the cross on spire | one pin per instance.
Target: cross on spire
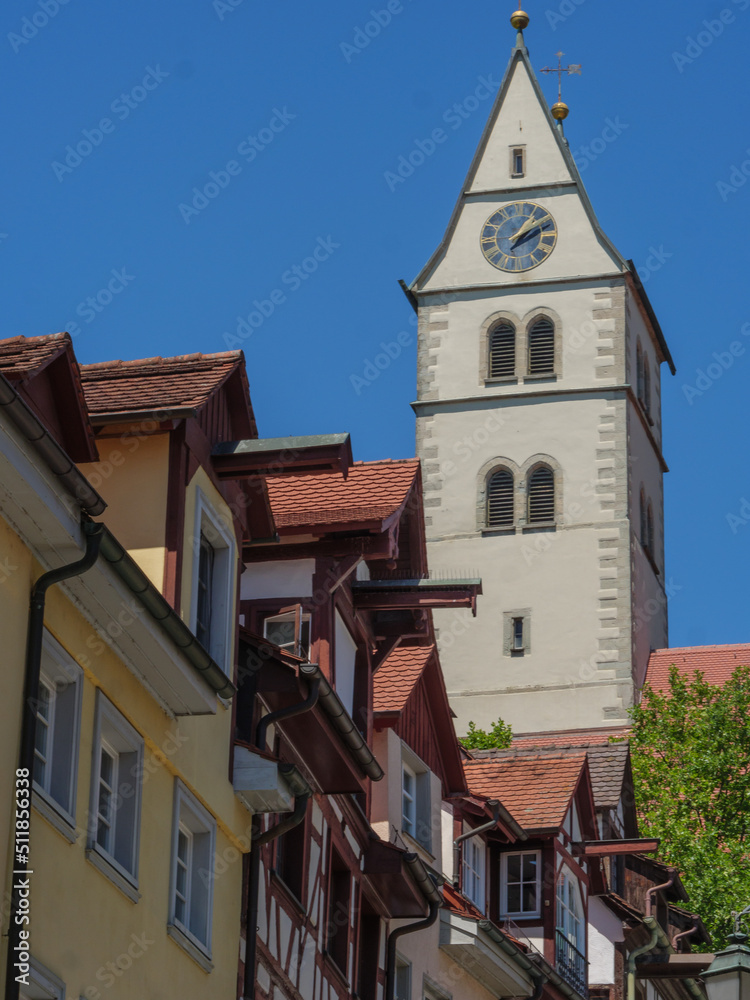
(560, 69)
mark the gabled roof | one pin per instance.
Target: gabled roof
(45, 373)
(536, 788)
(397, 677)
(608, 762)
(372, 493)
(716, 663)
(23, 357)
(185, 382)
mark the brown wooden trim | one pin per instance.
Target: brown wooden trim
(174, 530)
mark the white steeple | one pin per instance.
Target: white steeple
(535, 445)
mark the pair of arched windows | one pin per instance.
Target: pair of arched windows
(647, 525)
(501, 498)
(540, 358)
(643, 376)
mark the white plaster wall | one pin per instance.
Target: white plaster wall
(446, 816)
(577, 252)
(604, 930)
(282, 578)
(521, 122)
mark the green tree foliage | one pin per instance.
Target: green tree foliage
(691, 764)
(498, 738)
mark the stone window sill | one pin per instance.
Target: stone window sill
(125, 883)
(54, 814)
(195, 951)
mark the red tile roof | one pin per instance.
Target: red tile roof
(716, 663)
(536, 788)
(608, 762)
(396, 678)
(21, 357)
(372, 491)
(183, 382)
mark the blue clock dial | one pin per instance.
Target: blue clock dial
(519, 236)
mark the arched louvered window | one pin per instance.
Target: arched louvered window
(500, 500)
(646, 384)
(639, 371)
(542, 348)
(650, 529)
(502, 360)
(541, 496)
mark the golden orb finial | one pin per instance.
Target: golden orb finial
(560, 111)
(519, 20)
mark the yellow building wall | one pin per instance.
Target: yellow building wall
(132, 476)
(80, 920)
(16, 579)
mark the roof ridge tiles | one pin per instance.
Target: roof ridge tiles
(158, 361)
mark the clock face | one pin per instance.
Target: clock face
(519, 236)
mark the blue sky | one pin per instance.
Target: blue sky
(294, 114)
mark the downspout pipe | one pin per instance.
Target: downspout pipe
(34, 645)
(302, 796)
(494, 805)
(393, 938)
(636, 954)
(662, 940)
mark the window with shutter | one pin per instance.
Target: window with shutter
(500, 513)
(542, 496)
(502, 361)
(542, 348)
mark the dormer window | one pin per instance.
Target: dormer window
(518, 161)
(212, 599)
(473, 872)
(521, 884)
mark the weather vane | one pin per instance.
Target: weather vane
(560, 110)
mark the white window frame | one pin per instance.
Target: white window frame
(567, 918)
(422, 832)
(222, 541)
(192, 819)
(43, 984)
(58, 667)
(114, 733)
(403, 966)
(408, 801)
(504, 884)
(473, 876)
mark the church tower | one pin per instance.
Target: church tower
(539, 429)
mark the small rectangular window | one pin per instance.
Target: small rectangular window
(116, 781)
(521, 880)
(193, 840)
(205, 586)
(368, 951)
(518, 643)
(518, 161)
(290, 631)
(290, 859)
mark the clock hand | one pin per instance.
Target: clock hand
(529, 225)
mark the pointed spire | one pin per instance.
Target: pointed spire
(520, 20)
